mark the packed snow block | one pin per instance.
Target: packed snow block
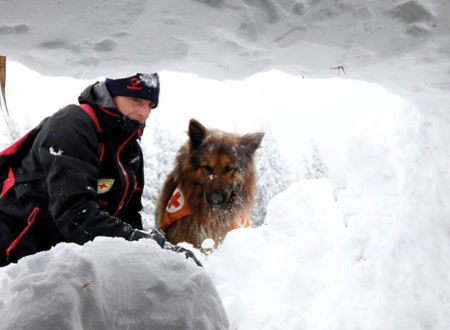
(109, 283)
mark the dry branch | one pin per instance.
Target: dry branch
(3, 82)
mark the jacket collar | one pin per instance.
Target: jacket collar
(112, 121)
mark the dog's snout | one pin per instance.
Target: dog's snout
(215, 198)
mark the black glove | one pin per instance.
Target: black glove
(187, 253)
(155, 235)
(159, 238)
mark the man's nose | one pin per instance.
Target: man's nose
(144, 111)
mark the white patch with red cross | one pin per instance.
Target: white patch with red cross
(176, 202)
(104, 185)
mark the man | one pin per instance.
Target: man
(83, 176)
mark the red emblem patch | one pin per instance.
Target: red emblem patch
(134, 82)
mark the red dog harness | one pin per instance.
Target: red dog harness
(178, 208)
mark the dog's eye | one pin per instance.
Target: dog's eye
(207, 168)
(228, 169)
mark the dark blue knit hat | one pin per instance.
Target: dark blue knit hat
(141, 85)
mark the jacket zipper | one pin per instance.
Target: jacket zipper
(135, 188)
(124, 172)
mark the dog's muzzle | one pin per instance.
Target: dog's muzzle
(215, 199)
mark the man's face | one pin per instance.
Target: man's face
(134, 108)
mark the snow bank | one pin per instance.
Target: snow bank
(108, 284)
(306, 268)
(281, 270)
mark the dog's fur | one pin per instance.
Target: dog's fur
(215, 171)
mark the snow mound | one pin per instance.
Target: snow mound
(286, 262)
(108, 284)
(307, 206)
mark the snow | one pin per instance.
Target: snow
(149, 79)
(208, 244)
(289, 263)
(54, 152)
(401, 44)
(136, 286)
(351, 223)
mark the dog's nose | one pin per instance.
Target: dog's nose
(214, 198)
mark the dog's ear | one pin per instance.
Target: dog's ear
(251, 142)
(197, 133)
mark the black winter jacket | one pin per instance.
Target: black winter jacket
(86, 183)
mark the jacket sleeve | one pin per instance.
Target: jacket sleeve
(67, 151)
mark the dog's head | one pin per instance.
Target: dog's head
(222, 164)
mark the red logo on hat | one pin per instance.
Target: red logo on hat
(134, 83)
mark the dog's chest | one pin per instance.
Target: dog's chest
(195, 231)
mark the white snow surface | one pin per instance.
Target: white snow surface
(353, 175)
(135, 286)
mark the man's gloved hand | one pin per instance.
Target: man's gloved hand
(159, 238)
(187, 253)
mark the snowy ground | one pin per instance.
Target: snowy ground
(355, 236)
(108, 284)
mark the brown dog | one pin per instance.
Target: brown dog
(210, 191)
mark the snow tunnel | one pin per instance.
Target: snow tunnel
(350, 215)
